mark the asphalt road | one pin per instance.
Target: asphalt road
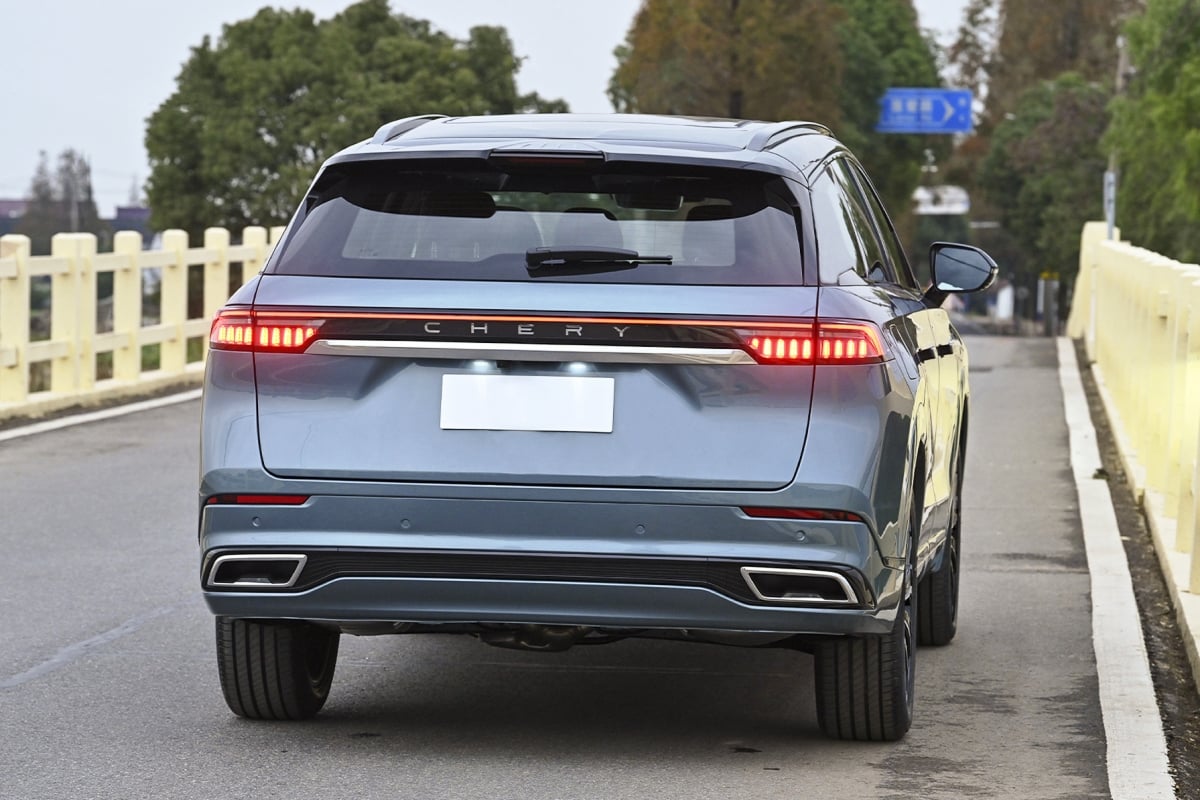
(108, 681)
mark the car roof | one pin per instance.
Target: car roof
(731, 142)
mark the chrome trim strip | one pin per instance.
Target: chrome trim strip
(301, 560)
(851, 597)
(501, 351)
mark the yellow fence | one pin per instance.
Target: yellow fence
(87, 348)
(1139, 315)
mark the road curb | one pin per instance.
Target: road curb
(1138, 766)
(96, 416)
(48, 406)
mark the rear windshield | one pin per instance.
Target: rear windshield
(474, 220)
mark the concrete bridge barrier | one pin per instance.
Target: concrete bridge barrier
(95, 347)
(1138, 314)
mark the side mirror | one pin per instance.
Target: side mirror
(958, 268)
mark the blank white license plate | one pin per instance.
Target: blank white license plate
(527, 403)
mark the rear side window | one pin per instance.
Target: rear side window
(846, 254)
(887, 234)
(855, 238)
(472, 220)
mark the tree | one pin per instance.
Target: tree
(134, 198)
(1156, 132)
(762, 59)
(1040, 67)
(1040, 41)
(255, 113)
(61, 202)
(970, 56)
(74, 179)
(775, 59)
(1044, 172)
(43, 216)
(970, 59)
(882, 47)
(1004, 47)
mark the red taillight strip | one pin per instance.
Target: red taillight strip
(822, 342)
(793, 347)
(801, 513)
(257, 500)
(863, 336)
(241, 329)
(798, 342)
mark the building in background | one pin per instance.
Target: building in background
(127, 218)
(133, 218)
(11, 212)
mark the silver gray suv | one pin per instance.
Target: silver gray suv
(552, 379)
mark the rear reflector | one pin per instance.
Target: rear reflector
(239, 329)
(823, 343)
(257, 500)
(801, 513)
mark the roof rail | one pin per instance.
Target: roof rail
(770, 135)
(391, 130)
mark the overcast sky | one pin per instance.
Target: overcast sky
(87, 73)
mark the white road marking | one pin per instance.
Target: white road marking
(73, 652)
(96, 416)
(1138, 767)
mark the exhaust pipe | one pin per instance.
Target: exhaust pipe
(256, 571)
(546, 638)
(801, 586)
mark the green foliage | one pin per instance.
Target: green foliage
(759, 59)
(43, 214)
(255, 113)
(1045, 172)
(970, 56)
(1011, 47)
(882, 47)
(776, 59)
(61, 202)
(1156, 132)
(1041, 40)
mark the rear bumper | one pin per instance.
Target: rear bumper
(619, 606)
(485, 560)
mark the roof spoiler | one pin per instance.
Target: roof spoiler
(391, 130)
(772, 135)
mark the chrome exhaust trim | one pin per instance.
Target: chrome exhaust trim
(256, 571)
(804, 583)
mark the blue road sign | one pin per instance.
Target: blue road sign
(925, 111)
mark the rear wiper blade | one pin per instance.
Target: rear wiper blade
(556, 258)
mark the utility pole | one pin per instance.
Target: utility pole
(735, 89)
(1110, 175)
(73, 191)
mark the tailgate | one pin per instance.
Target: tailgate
(612, 385)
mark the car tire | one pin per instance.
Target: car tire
(939, 588)
(275, 670)
(865, 685)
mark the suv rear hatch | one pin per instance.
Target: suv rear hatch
(565, 323)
